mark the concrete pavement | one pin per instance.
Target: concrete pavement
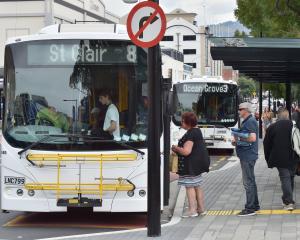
(224, 191)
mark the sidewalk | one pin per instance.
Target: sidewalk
(224, 191)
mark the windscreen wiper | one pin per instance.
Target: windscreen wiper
(94, 139)
(99, 139)
(39, 142)
(128, 147)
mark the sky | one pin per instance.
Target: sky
(216, 10)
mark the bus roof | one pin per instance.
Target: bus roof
(207, 79)
(76, 31)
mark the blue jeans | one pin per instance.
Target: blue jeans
(249, 184)
(287, 183)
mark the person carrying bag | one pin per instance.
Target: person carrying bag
(193, 160)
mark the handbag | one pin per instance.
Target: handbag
(174, 163)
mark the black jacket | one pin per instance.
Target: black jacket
(278, 145)
(198, 161)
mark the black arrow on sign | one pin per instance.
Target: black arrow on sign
(144, 19)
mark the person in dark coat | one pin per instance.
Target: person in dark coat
(279, 154)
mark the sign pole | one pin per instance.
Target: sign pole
(154, 161)
(146, 26)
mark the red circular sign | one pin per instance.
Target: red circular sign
(146, 21)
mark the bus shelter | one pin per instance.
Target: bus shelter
(266, 60)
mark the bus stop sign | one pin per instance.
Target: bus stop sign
(146, 24)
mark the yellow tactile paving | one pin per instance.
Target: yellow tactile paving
(261, 212)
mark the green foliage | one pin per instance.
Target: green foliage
(277, 89)
(239, 34)
(270, 18)
(247, 87)
(296, 92)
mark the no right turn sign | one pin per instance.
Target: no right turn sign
(146, 24)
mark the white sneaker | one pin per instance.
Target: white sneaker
(203, 213)
(288, 207)
(189, 215)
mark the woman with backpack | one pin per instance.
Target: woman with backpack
(193, 160)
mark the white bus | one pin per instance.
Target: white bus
(215, 102)
(51, 159)
(1, 98)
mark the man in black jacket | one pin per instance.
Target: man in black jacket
(279, 154)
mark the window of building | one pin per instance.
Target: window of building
(168, 38)
(194, 65)
(189, 38)
(189, 51)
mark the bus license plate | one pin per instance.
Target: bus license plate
(20, 181)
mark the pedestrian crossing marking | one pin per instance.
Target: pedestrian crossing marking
(261, 212)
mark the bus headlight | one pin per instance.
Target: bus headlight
(31, 193)
(20, 192)
(130, 193)
(142, 193)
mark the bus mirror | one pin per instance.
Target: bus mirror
(172, 103)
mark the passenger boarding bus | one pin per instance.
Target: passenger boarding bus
(55, 153)
(215, 102)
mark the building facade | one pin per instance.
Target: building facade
(183, 35)
(26, 17)
(173, 66)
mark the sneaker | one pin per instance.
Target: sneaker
(257, 209)
(288, 207)
(189, 215)
(203, 213)
(246, 212)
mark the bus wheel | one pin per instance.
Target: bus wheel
(230, 151)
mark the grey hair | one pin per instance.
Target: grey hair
(283, 114)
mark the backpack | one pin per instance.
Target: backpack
(296, 140)
(296, 147)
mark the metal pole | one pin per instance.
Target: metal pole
(154, 176)
(288, 96)
(167, 84)
(260, 110)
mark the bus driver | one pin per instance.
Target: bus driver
(111, 121)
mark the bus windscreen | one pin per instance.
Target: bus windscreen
(76, 87)
(213, 103)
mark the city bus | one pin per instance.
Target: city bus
(53, 156)
(215, 102)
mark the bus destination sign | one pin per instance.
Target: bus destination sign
(70, 54)
(205, 88)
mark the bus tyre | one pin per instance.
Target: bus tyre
(230, 151)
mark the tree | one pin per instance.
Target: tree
(270, 18)
(247, 87)
(239, 34)
(277, 90)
